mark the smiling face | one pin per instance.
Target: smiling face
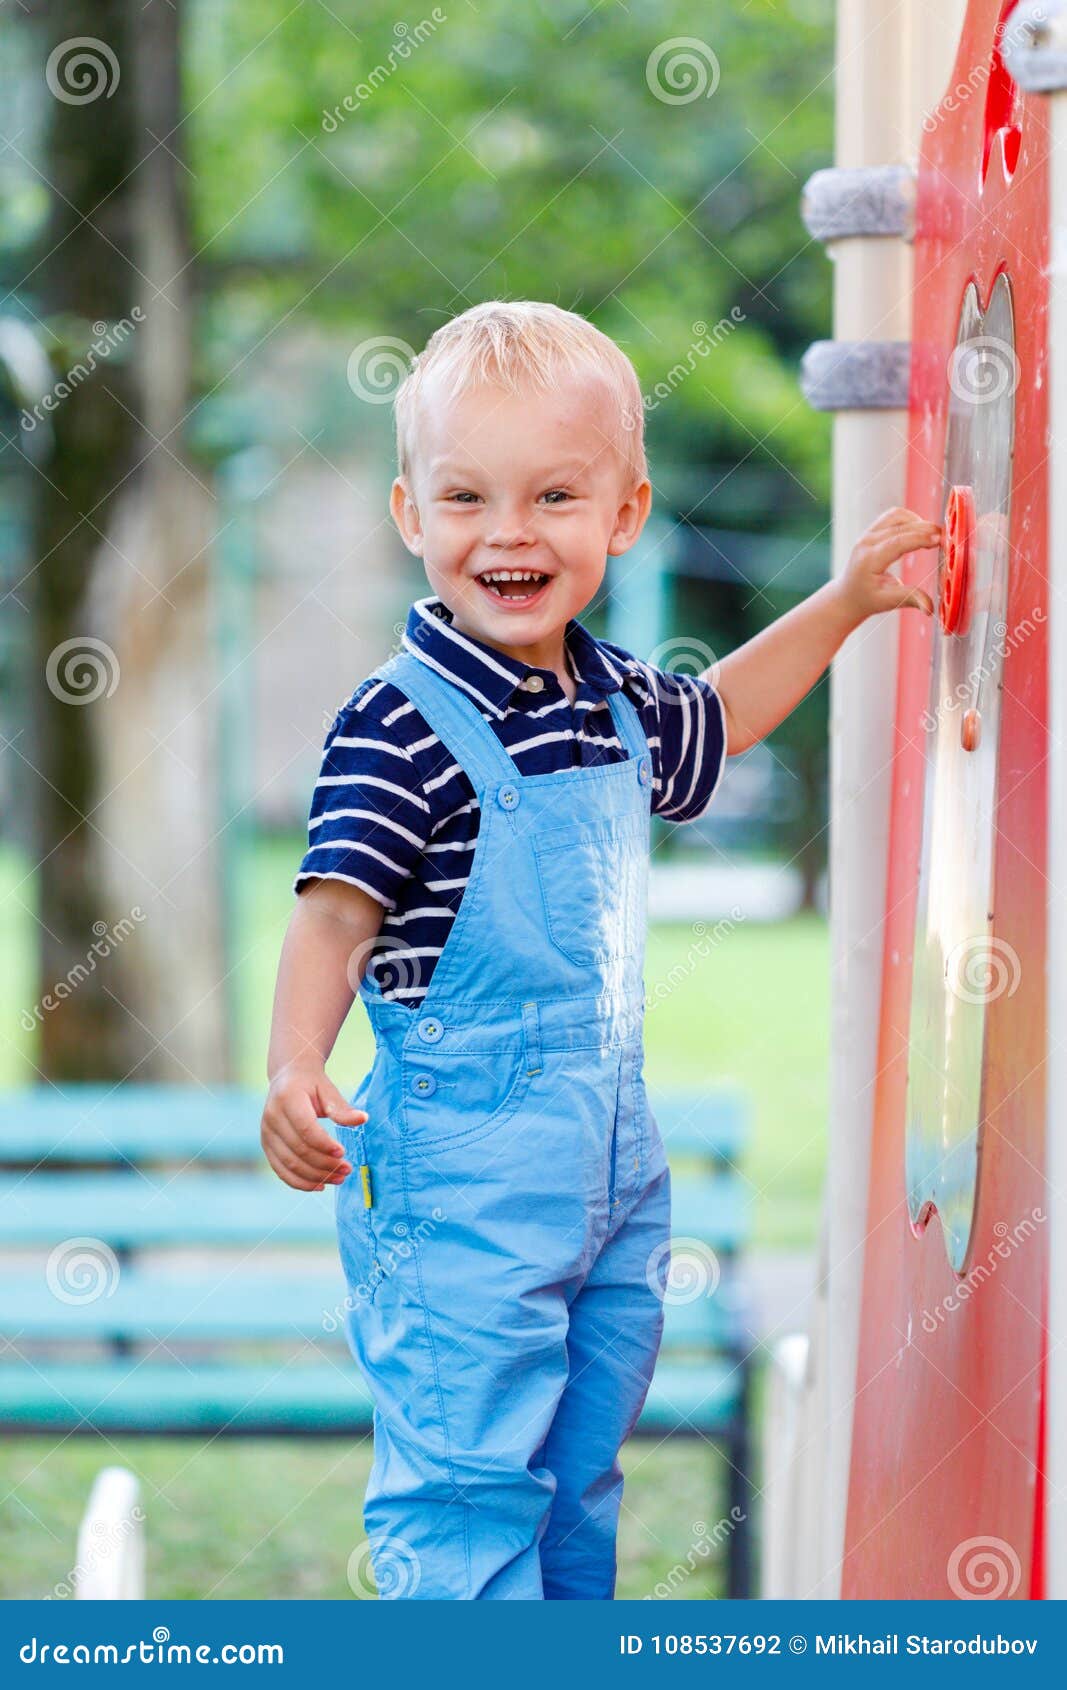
(514, 504)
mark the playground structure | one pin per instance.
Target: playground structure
(915, 1440)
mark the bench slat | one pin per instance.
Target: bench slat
(144, 1123)
(122, 1396)
(128, 1209)
(701, 1398)
(131, 1209)
(148, 1306)
(702, 1122)
(130, 1123)
(716, 1211)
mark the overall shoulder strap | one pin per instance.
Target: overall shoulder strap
(628, 724)
(454, 718)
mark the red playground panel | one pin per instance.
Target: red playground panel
(946, 1488)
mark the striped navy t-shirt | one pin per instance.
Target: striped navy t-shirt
(393, 813)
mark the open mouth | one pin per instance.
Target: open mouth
(513, 586)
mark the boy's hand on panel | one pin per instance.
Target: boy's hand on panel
(866, 587)
(300, 1151)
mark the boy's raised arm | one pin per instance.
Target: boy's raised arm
(326, 947)
(765, 679)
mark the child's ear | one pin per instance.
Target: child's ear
(405, 513)
(632, 516)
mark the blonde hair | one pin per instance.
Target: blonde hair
(518, 344)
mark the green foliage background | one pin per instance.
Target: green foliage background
(518, 151)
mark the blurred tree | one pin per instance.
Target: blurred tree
(601, 157)
(125, 802)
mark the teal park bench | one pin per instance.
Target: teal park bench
(124, 1330)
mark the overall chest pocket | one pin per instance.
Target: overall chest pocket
(594, 888)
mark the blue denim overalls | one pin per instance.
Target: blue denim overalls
(506, 1277)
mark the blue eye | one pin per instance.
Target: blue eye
(558, 493)
(461, 496)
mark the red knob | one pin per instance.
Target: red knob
(953, 608)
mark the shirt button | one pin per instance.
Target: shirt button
(508, 797)
(430, 1030)
(534, 683)
(423, 1085)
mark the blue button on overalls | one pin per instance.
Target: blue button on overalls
(519, 1239)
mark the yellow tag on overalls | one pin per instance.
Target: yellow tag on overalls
(368, 1195)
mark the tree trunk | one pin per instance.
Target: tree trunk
(131, 942)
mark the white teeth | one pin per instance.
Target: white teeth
(512, 575)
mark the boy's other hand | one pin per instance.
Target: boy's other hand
(300, 1151)
(865, 587)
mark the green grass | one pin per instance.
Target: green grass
(249, 1518)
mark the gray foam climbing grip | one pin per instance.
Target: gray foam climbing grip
(1034, 46)
(875, 200)
(856, 375)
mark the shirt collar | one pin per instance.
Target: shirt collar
(490, 676)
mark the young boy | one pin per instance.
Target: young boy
(477, 872)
